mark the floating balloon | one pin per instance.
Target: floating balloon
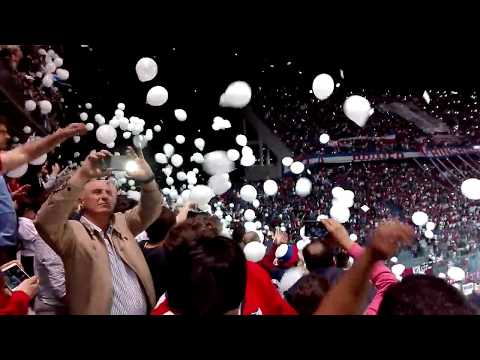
(241, 140)
(62, 74)
(127, 135)
(180, 114)
(40, 160)
(45, 107)
(429, 234)
(157, 96)
(27, 129)
(287, 161)
(157, 128)
(180, 139)
(197, 158)
(18, 172)
(167, 170)
(256, 203)
(290, 277)
(430, 226)
(181, 176)
(248, 160)
(248, 193)
(89, 126)
(199, 143)
(177, 160)
(394, 259)
(303, 187)
(99, 119)
(233, 155)
(324, 138)
(111, 145)
(47, 80)
(270, 187)
(254, 251)
(201, 195)
(30, 105)
(168, 149)
(146, 69)
(357, 109)
(169, 181)
(76, 139)
(88, 106)
(456, 274)
(419, 218)
(337, 192)
(106, 134)
(297, 167)
(247, 150)
(398, 269)
(219, 184)
(50, 68)
(249, 215)
(471, 189)
(250, 226)
(121, 106)
(237, 95)
(353, 237)
(323, 86)
(149, 135)
(340, 214)
(217, 162)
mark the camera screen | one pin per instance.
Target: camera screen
(315, 229)
(14, 276)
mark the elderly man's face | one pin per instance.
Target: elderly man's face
(4, 137)
(99, 197)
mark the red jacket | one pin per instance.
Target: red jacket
(261, 296)
(269, 258)
(16, 304)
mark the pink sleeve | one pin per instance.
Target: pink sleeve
(381, 277)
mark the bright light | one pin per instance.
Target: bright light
(131, 166)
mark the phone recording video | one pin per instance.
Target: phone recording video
(315, 229)
(14, 276)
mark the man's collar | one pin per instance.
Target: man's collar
(84, 220)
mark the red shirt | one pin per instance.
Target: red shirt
(17, 304)
(261, 296)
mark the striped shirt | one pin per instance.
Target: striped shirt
(128, 297)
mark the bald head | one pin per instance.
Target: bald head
(99, 197)
(317, 256)
(250, 236)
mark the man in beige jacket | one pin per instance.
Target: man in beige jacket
(105, 270)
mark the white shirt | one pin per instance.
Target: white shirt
(28, 235)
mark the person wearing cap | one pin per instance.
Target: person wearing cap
(281, 256)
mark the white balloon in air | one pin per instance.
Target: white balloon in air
(237, 95)
(157, 96)
(241, 140)
(146, 69)
(199, 143)
(254, 251)
(201, 195)
(398, 269)
(27, 129)
(340, 214)
(169, 181)
(76, 139)
(250, 226)
(180, 139)
(248, 160)
(45, 106)
(180, 114)
(233, 154)
(161, 158)
(30, 105)
(88, 106)
(89, 126)
(157, 128)
(248, 193)
(429, 234)
(270, 187)
(219, 184)
(297, 167)
(106, 134)
(303, 187)
(111, 145)
(353, 237)
(357, 109)
(324, 138)
(419, 218)
(177, 160)
(217, 162)
(323, 86)
(121, 106)
(471, 189)
(84, 116)
(287, 161)
(430, 226)
(249, 215)
(256, 203)
(168, 149)
(127, 135)
(181, 176)
(62, 74)
(197, 158)
(337, 192)
(456, 274)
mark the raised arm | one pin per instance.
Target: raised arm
(31, 150)
(348, 295)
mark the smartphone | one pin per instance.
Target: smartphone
(315, 229)
(194, 213)
(116, 162)
(14, 276)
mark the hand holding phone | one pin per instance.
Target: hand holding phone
(13, 275)
(315, 229)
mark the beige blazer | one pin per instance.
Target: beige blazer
(88, 278)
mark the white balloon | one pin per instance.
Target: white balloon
(131, 182)
(456, 274)
(199, 143)
(157, 96)
(77, 154)
(99, 118)
(353, 237)
(146, 69)
(254, 251)
(249, 215)
(121, 106)
(40, 160)
(45, 106)
(237, 95)
(197, 158)
(88, 106)
(115, 122)
(297, 167)
(270, 187)
(119, 113)
(233, 154)
(471, 189)
(241, 140)
(247, 150)
(62, 74)
(324, 138)
(250, 226)
(337, 192)
(167, 170)
(398, 269)
(322, 217)
(248, 160)
(180, 139)
(111, 145)
(157, 128)
(357, 109)
(323, 86)
(18, 172)
(287, 161)
(127, 135)
(27, 129)
(30, 105)
(430, 226)
(217, 162)
(149, 135)
(342, 202)
(429, 234)
(340, 214)
(248, 193)
(186, 195)
(201, 195)
(419, 218)
(180, 114)
(219, 184)
(170, 181)
(177, 160)
(106, 134)
(50, 68)
(168, 149)
(58, 62)
(76, 139)
(256, 203)
(290, 277)
(442, 276)
(394, 259)
(303, 187)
